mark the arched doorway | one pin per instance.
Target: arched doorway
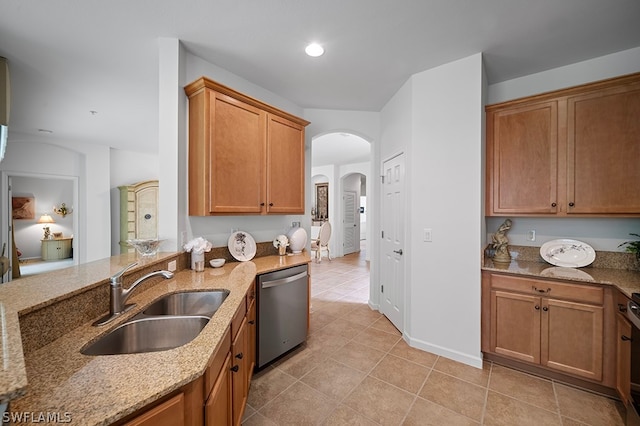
(338, 155)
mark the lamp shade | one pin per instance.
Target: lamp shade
(45, 218)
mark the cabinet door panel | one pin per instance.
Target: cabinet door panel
(239, 373)
(169, 413)
(603, 151)
(572, 338)
(522, 159)
(515, 325)
(236, 156)
(285, 166)
(218, 410)
(623, 358)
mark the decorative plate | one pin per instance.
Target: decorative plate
(242, 246)
(567, 253)
(566, 273)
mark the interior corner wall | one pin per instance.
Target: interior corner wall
(445, 195)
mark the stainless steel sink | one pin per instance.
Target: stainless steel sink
(149, 334)
(188, 303)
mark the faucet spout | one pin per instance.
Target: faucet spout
(118, 295)
(126, 293)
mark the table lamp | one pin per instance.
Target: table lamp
(46, 219)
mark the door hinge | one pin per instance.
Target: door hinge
(382, 232)
(382, 177)
(382, 288)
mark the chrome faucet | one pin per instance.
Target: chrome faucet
(118, 295)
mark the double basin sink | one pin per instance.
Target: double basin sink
(169, 322)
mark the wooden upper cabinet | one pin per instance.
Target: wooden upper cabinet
(603, 147)
(285, 165)
(569, 152)
(522, 156)
(245, 157)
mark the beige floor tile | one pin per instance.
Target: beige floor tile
(299, 405)
(462, 371)
(589, 408)
(360, 357)
(334, 379)
(377, 339)
(524, 387)
(455, 394)
(364, 315)
(401, 373)
(300, 362)
(318, 320)
(383, 324)
(345, 416)
(265, 387)
(403, 350)
(504, 411)
(427, 413)
(344, 328)
(338, 309)
(380, 401)
(258, 419)
(325, 343)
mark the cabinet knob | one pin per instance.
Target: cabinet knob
(240, 355)
(235, 368)
(270, 204)
(545, 309)
(622, 308)
(626, 338)
(262, 204)
(252, 322)
(537, 308)
(571, 204)
(553, 204)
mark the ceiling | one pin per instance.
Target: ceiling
(68, 57)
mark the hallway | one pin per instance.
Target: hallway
(355, 369)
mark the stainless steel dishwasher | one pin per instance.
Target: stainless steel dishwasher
(282, 312)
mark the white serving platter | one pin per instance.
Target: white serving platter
(567, 253)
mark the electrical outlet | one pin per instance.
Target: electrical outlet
(531, 235)
(171, 266)
(427, 235)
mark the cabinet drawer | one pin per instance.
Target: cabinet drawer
(216, 363)
(169, 413)
(556, 290)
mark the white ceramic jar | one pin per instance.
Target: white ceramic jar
(297, 239)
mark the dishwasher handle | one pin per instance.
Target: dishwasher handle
(273, 283)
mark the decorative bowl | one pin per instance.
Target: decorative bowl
(145, 247)
(216, 263)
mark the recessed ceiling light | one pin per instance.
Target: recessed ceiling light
(314, 50)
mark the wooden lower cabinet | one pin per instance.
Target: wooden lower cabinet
(239, 369)
(168, 413)
(623, 351)
(218, 409)
(522, 321)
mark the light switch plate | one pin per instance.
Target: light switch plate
(427, 235)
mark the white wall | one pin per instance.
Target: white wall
(601, 233)
(87, 163)
(436, 120)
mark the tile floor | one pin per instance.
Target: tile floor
(355, 369)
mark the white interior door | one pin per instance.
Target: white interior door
(351, 222)
(392, 262)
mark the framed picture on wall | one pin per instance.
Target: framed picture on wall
(23, 207)
(322, 201)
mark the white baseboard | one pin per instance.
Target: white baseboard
(474, 361)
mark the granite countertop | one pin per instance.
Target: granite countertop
(98, 390)
(606, 270)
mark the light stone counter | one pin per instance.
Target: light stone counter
(98, 390)
(606, 270)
